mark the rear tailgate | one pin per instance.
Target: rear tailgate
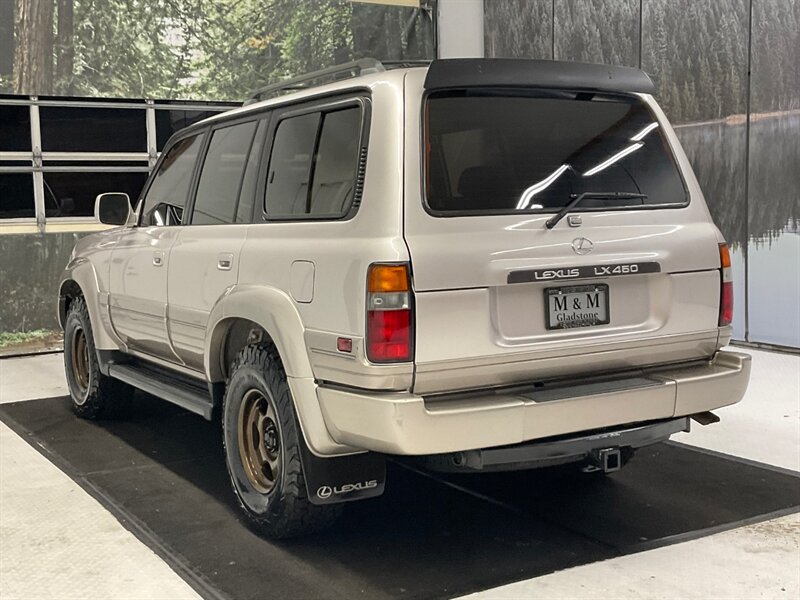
(502, 299)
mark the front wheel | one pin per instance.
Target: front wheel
(262, 441)
(93, 394)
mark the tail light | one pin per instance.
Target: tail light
(726, 291)
(389, 314)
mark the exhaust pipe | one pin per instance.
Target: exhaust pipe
(705, 418)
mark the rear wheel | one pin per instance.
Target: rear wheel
(262, 448)
(93, 394)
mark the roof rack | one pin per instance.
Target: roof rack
(362, 66)
(406, 64)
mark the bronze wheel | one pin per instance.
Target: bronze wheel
(80, 361)
(263, 442)
(260, 441)
(93, 394)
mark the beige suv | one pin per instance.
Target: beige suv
(483, 264)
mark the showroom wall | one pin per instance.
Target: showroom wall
(193, 49)
(745, 148)
(71, 71)
(47, 196)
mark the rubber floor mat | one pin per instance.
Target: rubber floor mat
(162, 473)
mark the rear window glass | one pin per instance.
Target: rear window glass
(290, 165)
(336, 162)
(312, 172)
(491, 153)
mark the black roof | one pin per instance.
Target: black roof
(459, 73)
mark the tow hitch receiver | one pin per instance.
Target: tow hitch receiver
(607, 460)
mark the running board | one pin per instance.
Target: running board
(186, 394)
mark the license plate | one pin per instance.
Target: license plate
(576, 306)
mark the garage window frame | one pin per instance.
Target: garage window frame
(39, 163)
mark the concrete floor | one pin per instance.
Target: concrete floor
(56, 541)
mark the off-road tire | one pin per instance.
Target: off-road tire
(94, 395)
(284, 510)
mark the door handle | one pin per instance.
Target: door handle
(225, 261)
(158, 259)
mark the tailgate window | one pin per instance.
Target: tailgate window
(492, 152)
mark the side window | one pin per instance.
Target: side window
(290, 165)
(336, 163)
(312, 170)
(247, 197)
(166, 197)
(221, 177)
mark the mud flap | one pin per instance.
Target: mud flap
(343, 478)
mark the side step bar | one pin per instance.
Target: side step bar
(186, 394)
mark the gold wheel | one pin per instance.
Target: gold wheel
(80, 360)
(259, 441)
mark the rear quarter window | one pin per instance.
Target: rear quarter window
(497, 153)
(314, 164)
(290, 165)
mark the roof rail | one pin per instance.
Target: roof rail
(362, 66)
(406, 64)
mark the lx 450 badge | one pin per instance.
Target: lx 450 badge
(586, 272)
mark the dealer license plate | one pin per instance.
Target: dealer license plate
(576, 306)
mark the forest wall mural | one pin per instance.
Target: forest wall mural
(178, 53)
(727, 74)
(199, 49)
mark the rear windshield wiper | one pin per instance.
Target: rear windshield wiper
(577, 198)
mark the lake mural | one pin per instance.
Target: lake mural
(717, 150)
(768, 224)
(696, 52)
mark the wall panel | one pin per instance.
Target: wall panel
(597, 31)
(773, 220)
(518, 28)
(31, 271)
(696, 53)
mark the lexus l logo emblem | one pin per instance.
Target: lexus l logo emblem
(324, 492)
(582, 246)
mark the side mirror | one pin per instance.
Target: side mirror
(112, 208)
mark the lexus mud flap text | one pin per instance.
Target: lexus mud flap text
(344, 478)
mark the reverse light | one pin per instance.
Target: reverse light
(389, 317)
(726, 289)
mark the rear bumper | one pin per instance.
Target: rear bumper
(408, 424)
(555, 451)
